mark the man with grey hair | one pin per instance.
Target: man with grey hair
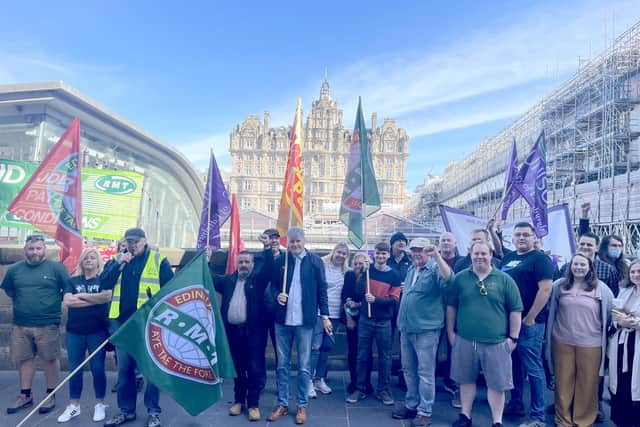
(303, 294)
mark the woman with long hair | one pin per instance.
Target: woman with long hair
(335, 267)
(624, 353)
(579, 315)
(350, 313)
(86, 329)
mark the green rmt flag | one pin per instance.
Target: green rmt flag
(178, 341)
(360, 197)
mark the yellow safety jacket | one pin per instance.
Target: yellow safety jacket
(149, 279)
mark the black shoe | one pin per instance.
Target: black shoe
(48, 406)
(404, 413)
(462, 421)
(511, 410)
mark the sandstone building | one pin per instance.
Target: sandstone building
(259, 157)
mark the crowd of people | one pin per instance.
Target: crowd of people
(511, 316)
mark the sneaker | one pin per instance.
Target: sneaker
(455, 400)
(71, 411)
(512, 410)
(48, 405)
(254, 414)
(533, 423)
(21, 402)
(404, 413)
(99, 412)
(421, 421)
(311, 391)
(385, 397)
(462, 421)
(119, 419)
(278, 412)
(322, 386)
(355, 397)
(153, 420)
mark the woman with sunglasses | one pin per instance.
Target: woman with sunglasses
(579, 315)
(624, 353)
(87, 329)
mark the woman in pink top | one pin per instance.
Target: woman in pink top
(579, 314)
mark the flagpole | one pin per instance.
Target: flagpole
(64, 381)
(209, 204)
(362, 209)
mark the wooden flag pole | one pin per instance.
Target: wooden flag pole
(64, 381)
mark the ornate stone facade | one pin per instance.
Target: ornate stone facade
(259, 157)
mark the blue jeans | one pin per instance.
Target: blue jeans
(320, 359)
(77, 347)
(284, 340)
(127, 391)
(368, 331)
(527, 360)
(419, 352)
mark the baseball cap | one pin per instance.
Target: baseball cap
(134, 234)
(419, 243)
(272, 232)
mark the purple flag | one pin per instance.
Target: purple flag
(531, 183)
(216, 209)
(510, 192)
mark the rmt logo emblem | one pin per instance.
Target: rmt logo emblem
(180, 335)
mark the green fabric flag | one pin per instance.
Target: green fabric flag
(360, 197)
(178, 341)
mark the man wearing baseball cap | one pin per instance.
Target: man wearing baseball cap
(136, 276)
(420, 319)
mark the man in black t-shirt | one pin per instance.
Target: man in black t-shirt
(533, 272)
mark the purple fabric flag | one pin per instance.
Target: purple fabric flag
(531, 182)
(510, 192)
(216, 208)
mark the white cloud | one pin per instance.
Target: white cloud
(197, 151)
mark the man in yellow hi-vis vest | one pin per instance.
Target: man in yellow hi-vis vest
(136, 275)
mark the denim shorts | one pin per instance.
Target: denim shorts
(468, 357)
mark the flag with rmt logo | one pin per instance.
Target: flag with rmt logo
(178, 340)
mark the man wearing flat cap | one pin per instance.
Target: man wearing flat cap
(138, 274)
(421, 317)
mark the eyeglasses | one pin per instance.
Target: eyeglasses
(35, 238)
(525, 235)
(483, 288)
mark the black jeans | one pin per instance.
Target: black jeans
(370, 330)
(247, 349)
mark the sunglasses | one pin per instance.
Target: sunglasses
(483, 288)
(35, 238)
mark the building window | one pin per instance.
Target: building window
(271, 206)
(271, 186)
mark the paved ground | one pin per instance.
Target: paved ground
(330, 410)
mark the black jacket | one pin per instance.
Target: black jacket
(254, 292)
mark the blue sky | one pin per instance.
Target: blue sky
(451, 73)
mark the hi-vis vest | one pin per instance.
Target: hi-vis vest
(149, 279)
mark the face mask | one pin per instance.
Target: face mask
(614, 252)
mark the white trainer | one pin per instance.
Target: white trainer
(99, 412)
(71, 411)
(312, 391)
(322, 386)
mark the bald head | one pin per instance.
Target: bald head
(447, 245)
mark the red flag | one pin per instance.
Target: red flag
(52, 199)
(236, 245)
(290, 214)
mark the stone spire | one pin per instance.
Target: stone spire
(325, 93)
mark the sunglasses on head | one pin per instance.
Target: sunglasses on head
(35, 238)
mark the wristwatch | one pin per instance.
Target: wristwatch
(515, 340)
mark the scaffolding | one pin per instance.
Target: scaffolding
(592, 127)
